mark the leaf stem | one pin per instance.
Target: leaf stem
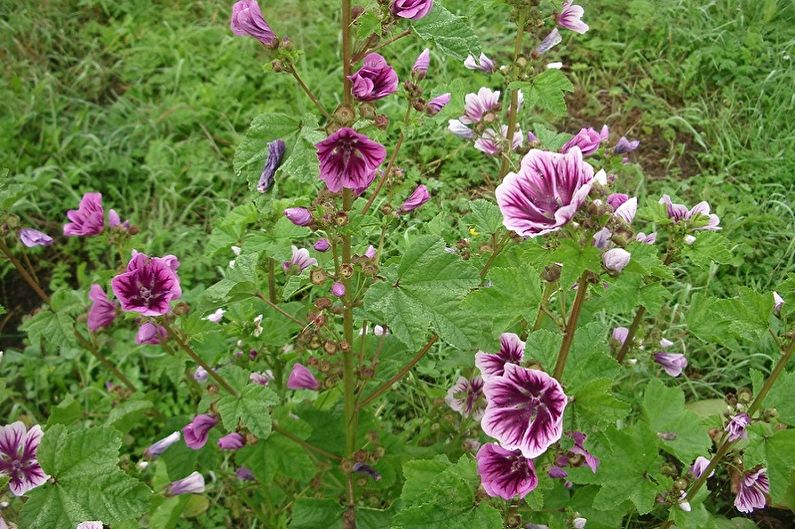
(32, 283)
(94, 350)
(633, 330)
(549, 288)
(571, 326)
(307, 90)
(365, 51)
(514, 109)
(498, 247)
(272, 281)
(308, 446)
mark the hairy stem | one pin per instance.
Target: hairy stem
(26, 276)
(497, 248)
(514, 109)
(307, 90)
(633, 330)
(384, 44)
(549, 288)
(94, 350)
(390, 164)
(571, 326)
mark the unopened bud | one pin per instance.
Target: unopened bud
(344, 115)
(381, 121)
(277, 66)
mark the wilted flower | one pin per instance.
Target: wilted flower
(699, 466)
(698, 217)
(549, 42)
(216, 316)
(588, 140)
(149, 284)
(88, 219)
(435, 105)
(615, 200)
(625, 146)
(363, 468)
(417, 198)
(338, 289)
(193, 484)
(524, 410)
(466, 397)
(752, 490)
(411, 9)
(627, 210)
(232, 441)
(616, 259)
(422, 63)
(370, 252)
(272, 163)
(374, 80)
(322, 245)
(493, 364)
(505, 474)
(200, 375)
(570, 17)
(476, 106)
(247, 19)
(646, 239)
(262, 379)
(601, 239)
(778, 302)
(196, 432)
(30, 238)
(102, 311)
(735, 428)
(579, 448)
(459, 129)
(619, 335)
(299, 261)
(672, 363)
(301, 378)
(546, 192)
(348, 160)
(18, 447)
(150, 333)
(483, 64)
(493, 143)
(162, 445)
(299, 216)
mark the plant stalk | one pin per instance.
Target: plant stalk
(549, 288)
(514, 109)
(633, 330)
(571, 326)
(308, 91)
(92, 348)
(32, 283)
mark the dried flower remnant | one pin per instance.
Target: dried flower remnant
(272, 163)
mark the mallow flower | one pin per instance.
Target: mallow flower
(624, 146)
(549, 42)
(150, 333)
(411, 9)
(570, 17)
(417, 198)
(505, 474)
(466, 397)
(299, 216)
(299, 261)
(481, 64)
(102, 311)
(646, 239)
(627, 210)
(18, 448)
(435, 105)
(272, 163)
(322, 245)
(752, 489)
(301, 378)
(149, 285)
(493, 364)
(88, 219)
(672, 363)
(374, 80)
(30, 238)
(232, 441)
(158, 448)
(736, 427)
(348, 160)
(699, 466)
(698, 217)
(616, 259)
(546, 192)
(193, 484)
(619, 335)
(338, 289)
(196, 432)
(524, 410)
(247, 19)
(579, 449)
(422, 64)
(457, 127)
(493, 142)
(478, 106)
(588, 141)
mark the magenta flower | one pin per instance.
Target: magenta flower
(698, 217)
(149, 285)
(348, 160)
(549, 42)
(480, 106)
(615, 200)
(322, 245)
(616, 259)
(459, 129)
(505, 474)
(624, 146)
(299, 216)
(435, 105)
(370, 252)
(338, 289)
(88, 219)
(247, 19)
(193, 484)
(752, 490)
(524, 410)
(579, 449)
(272, 163)
(672, 363)
(232, 441)
(411, 9)
(299, 261)
(620, 335)
(301, 378)
(493, 364)
(422, 64)
(482, 64)
(466, 397)
(588, 140)
(30, 238)
(417, 198)
(102, 311)
(699, 466)
(162, 445)
(493, 143)
(196, 432)
(570, 17)
(18, 447)
(374, 80)
(546, 192)
(736, 426)
(150, 333)
(646, 239)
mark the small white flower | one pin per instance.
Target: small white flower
(216, 316)
(554, 66)
(235, 250)
(258, 325)
(579, 523)
(232, 263)
(142, 464)
(689, 240)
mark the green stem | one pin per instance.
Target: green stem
(272, 298)
(514, 109)
(92, 348)
(549, 288)
(387, 42)
(32, 283)
(571, 326)
(633, 329)
(307, 446)
(307, 90)
(390, 164)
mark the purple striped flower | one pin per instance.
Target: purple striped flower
(505, 474)
(480, 106)
(624, 146)
(158, 448)
(232, 441)
(752, 490)
(150, 333)
(30, 238)
(374, 80)
(570, 17)
(524, 410)
(588, 140)
(18, 447)
(88, 219)
(493, 364)
(299, 216)
(646, 239)
(435, 105)
(272, 163)
(616, 259)
(620, 335)
(546, 192)
(459, 129)
(417, 198)
(549, 42)
(615, 200)
(601, 239)
(699, 466)
(262, 379)
(149, 285)
(493, 143)
(422, 64)
(338, 289)
(196, 432)
(102, 311)
(299, 261)
(672, 363)
(301, 378)
(411, 9)
(466, 397)
(193, 484)
(348, 160)
(481, 64)
(579, 449)
(247, 19)
(736, 427)
(697, 218)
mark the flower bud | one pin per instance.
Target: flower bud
(322, 245)
(338, 289)
(616, 259)
(381, 121)
(299, 216)
(422, 63)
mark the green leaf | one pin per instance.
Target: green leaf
(485, 216)
(54, 325)
(780, 398)
(301, 163)
(87, 483)
(252, 151)
(781, 467)
(546, 91)
(595, 406)
(125, 416)
(709, 247)
(252, 408)
(665, 411)
(451, 33)
(316, 514)
(577, 259)
(514, 293)
(425, 292)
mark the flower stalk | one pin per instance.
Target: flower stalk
(92, 348)
(571, 325)
(294, 72)
(633, 329)
(514, 108)
(26, 276)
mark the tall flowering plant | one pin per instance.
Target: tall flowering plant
(366, 362)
